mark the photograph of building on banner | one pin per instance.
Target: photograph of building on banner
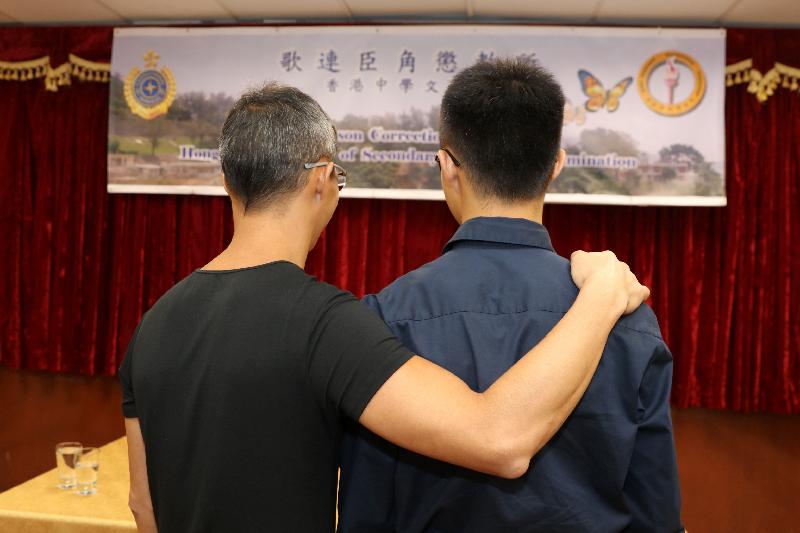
(643, 121)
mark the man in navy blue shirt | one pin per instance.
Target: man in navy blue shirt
(498, 288)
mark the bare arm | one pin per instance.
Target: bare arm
(139, 498)
(426, 409)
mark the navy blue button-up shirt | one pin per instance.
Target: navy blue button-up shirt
(497, 290)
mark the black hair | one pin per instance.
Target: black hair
(502, 119)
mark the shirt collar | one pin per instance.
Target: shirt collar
(502, 230)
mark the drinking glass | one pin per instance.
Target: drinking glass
(87, 464)
(66, 453)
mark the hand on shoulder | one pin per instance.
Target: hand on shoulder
(602, 271)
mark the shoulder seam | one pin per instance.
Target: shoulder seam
(635, 330)
(518, 312)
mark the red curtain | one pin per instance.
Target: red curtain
(80, 266)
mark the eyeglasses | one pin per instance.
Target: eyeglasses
(341, 174)
(456, 162)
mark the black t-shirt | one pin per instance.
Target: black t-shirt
(240, 380)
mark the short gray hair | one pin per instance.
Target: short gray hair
(267, 137)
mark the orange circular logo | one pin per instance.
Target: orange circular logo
(671, 58)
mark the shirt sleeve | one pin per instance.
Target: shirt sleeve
(651, 488)
(366, 487)
(351, 355)
(125, 379)
(368, 464)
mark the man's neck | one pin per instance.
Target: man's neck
(260, 238)
(528, 210)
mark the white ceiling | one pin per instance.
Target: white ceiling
(690, 12)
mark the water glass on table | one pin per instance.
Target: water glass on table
(87, 465)
(66, 453)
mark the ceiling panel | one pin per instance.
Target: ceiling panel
(58, 11)
(258, 9)
(578, 10)
(168, 9)
(690, 10)
(780, 12)
(740, 12)
(367, 8)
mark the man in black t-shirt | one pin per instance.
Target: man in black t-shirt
(237, 381)
(240, 379)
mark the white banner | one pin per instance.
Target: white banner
(644, 120)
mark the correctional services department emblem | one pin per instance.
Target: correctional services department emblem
(666, 64)
(151, 91)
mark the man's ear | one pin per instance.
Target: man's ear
(450, 176)
(320, 178)
(560, 160)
